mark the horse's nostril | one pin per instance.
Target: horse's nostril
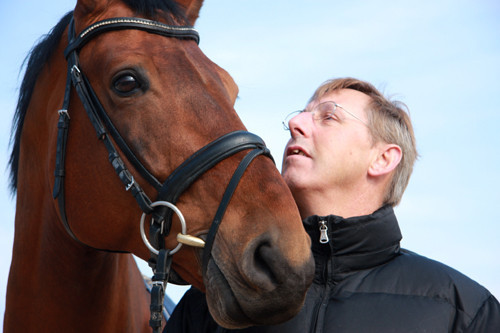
(270, 283)
(265, 265)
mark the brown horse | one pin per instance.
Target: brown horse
(71, 267)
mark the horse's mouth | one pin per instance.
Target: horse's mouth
(222, 302)
(260, 287)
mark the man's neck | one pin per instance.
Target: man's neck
(342, 203)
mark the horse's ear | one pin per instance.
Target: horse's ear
(85, 7)
(192, 9)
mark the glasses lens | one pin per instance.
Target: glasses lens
(288, 118)
(324, 110)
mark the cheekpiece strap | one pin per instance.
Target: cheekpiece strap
(226, 198)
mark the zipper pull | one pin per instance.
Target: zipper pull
(323, 237)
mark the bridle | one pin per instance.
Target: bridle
(179, 180)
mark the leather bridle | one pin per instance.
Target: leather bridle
(181, 178)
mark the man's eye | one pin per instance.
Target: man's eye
(329, 116)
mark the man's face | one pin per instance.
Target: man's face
(332, 153)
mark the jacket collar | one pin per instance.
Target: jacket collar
(354, 243)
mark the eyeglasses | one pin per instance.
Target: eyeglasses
(321, 112)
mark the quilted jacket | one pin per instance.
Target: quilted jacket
(364, 282)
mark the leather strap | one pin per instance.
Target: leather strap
(226, 198)
(59, 172)
(93, 107)
(191, 169)
(121, 23)
(202, 161)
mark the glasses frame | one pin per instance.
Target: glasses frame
(293, 114)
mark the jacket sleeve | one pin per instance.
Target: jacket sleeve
(487, 319)
(191, 315)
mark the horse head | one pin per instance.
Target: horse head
(167, 101)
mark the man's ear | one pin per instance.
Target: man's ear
(386, 160)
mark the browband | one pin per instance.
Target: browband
(120, 23)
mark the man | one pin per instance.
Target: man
(348, 162)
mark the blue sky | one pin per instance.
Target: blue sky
(441, 58)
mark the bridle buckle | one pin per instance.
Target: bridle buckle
(129, 185)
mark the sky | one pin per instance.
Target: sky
(441, 58)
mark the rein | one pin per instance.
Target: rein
(171, 189)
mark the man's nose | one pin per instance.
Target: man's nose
(301, 124)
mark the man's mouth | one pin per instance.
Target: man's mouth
(297, 152)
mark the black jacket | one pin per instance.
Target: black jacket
(364, 282)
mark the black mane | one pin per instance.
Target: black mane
(35, 61)
(41, 53)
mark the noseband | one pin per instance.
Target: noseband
(181, 178)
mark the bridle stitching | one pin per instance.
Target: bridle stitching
(142, 21)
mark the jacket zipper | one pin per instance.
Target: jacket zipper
(323, 239)
(323, 232)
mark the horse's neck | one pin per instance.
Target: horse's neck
(56, 284)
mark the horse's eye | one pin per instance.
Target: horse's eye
(126, 84)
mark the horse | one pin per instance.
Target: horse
(119, 106)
